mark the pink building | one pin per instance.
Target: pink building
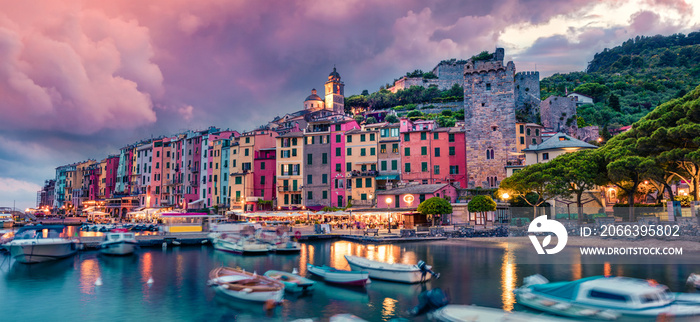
(111, 175)
(264, 184)
(338, 197)
(409, 197)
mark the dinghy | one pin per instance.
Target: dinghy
(403, 273)
(336, 276)
(458, 313)
(292, 283)
(246, 286)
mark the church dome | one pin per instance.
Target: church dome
(313, 96)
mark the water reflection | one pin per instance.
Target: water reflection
(146, 271)
(508, 279)
(388, 308)
(607, 271)
(89, 273)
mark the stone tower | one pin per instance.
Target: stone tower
(335, 91)
(527, 96)
(489, 112)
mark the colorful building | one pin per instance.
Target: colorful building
(290, 175)
(361, 166)
(338, 193)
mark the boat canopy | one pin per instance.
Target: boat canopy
(563, 290)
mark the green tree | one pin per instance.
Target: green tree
(391, 118)
(484, 55)
(415, 113)
(614, 102)
(537, 179)
(435, 206)
(481, 204)
(444, 121)
(578, 172)
(359, 118)
(371, 120)
(597, 91)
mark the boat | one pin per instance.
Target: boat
(119, 242)
(239, 245)
(606, 298)
(279, 240)
(246, 286)
(694, 279)
(287, 247)
(402, 273)
(6, 220)
(35, 244)
(293, 283)
(458, 313)
(336, 276)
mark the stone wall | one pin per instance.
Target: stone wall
(588, 133)
(489, 109)
(527, 95)
(559, 113)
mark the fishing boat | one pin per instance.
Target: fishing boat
(293, 283)
(458, 313)
(607, 298)
(35, 244)
(336, 276)
(402, 273)
(119, 242)
(246, 286)
(239, 245)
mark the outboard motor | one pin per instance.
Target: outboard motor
(424, 268)
(429, 301)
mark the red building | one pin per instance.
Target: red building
(112, 164)
(265, 172)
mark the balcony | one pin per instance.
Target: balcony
(288, 188)
(367, 173)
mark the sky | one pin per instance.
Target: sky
(80, 79)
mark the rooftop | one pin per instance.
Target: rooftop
(560, 141)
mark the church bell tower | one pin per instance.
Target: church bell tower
(335, 91)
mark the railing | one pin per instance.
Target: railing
(515, 162)
(368, 173)
(288, 188)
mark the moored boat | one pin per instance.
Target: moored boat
(403, 273)
(293, 283)
(35, 244)
(246, 286)
(119, 242)
(458, 313)
(6, 220)
(606, 298)
(239, 245)
(336, 276)
(287, 247)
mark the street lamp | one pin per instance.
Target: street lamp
(505, 195)
(388, 202)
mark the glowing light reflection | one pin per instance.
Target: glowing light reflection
(607, 270)
(89, 272)
(388, 308)
(508, 279)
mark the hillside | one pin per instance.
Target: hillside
(628, 81)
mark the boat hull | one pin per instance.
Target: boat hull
(240, 248)
(120, 248)
(252, 296)
(31, 251)
(383, 271)
(302, 285)
(7, 224)
(347, 278)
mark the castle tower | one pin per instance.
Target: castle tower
(335, 91)
(527, 96)
(489, 112)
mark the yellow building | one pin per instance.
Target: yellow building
(290, 173)
(527, 134)
(361, 166)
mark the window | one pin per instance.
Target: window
(363, 152)
(247, 140)
(489, 154)
(382, 148)
(534, 141)
(528, 131)
(294, 152)
(436, 136)
(545, 156)
(395, 132)
(325, 194)
(421, 198)
(383, 165)
(324, 158)
(362, 138)
(424, 166)
(337, 167)
(294, 141)
(262, 180)
(358, 183)
(407, 151)
(238, 180)
(436, 169)
(309, 179)
(407, 167)
(407, 137)
(309, 195)
(454, 169)
(246, 151)
(368, 182)
(424, 150)
(337, 127)
(309, 159)
(395, 148)
(452, 150)
(522, 140)
(371, 136)
(488, 86)
(337, 152)
(423, 136)
(607, 296)
(324, 178)
(537, 132)
(286, 198)
(349, 152)
(349, 138)
(394, 164)
(348, 167)
(363, 196)
(372, 151)
(337, 138)
(522, 129)
(451, 137)
(437, 152)
(262, 165)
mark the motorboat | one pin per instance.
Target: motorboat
(246, 286)
(286, 247)
(279, 240)
(6, 220)
(119, 242)
(240, 245)
(35, 244)
(403, 273)
(336, 276)
(606, 298)
(293, 283)
(458, 313)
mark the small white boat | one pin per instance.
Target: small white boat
(119, 243)
(346, 317)
(607, 298)
(293, 283)
(35, 244)
(240, 245)
(287, 247)
(246, 286)
(336, 276)
(458, 313)
(403, 273)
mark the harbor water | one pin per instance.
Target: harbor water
(471, 273)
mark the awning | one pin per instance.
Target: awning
(194, 203)
(315, 208)
(394, 177)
